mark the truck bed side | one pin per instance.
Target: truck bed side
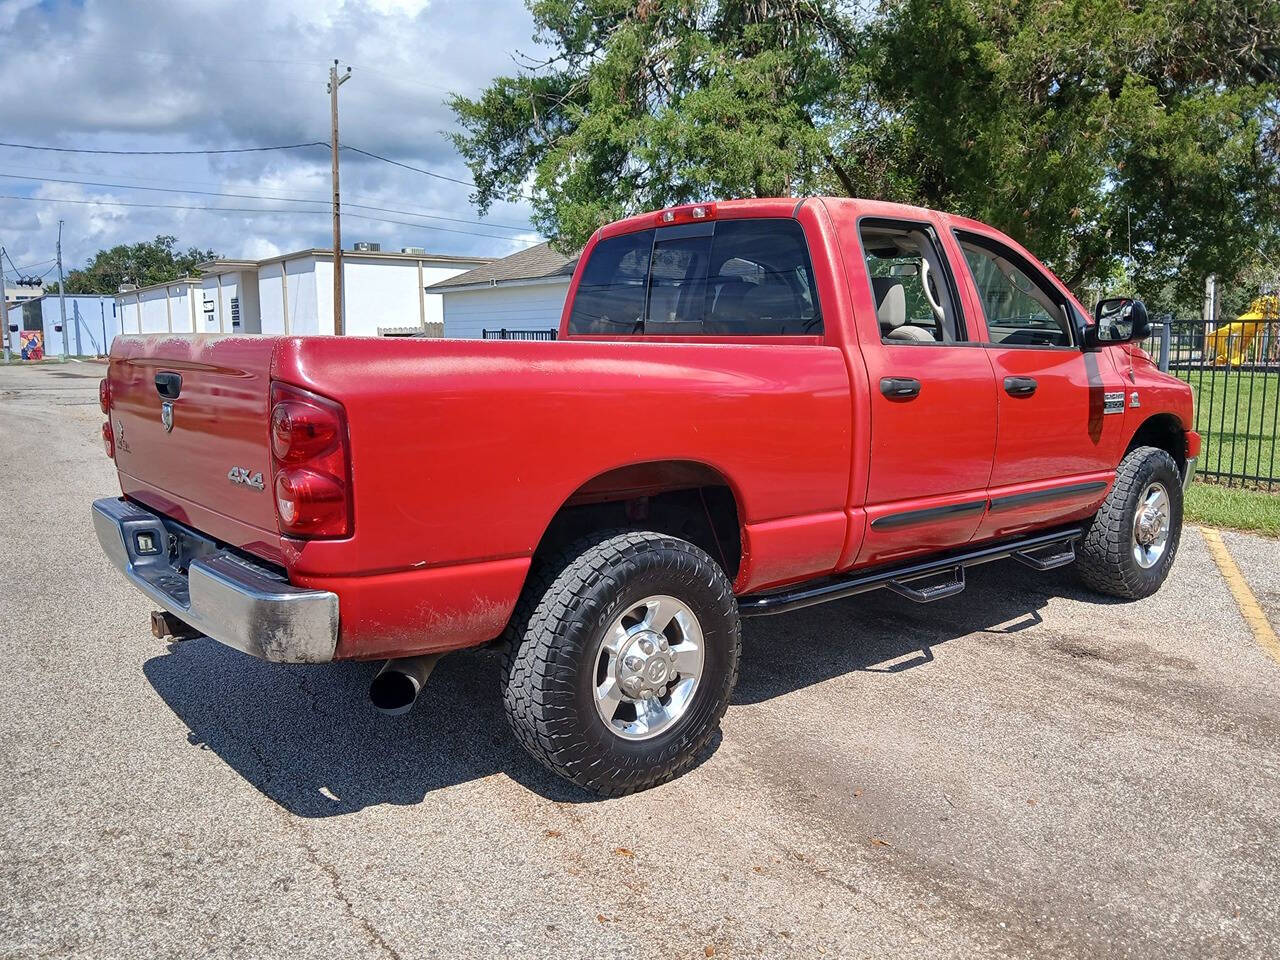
(463, 453)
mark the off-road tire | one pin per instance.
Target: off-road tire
(549, 662)
(1104, 558)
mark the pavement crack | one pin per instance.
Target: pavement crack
(361, 922)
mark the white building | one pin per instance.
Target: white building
(91, 323)
(524, 292)
(229, 297)
(18, 293)
(293, 293)
(173, 307)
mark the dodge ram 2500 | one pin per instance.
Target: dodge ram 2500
(752, 406)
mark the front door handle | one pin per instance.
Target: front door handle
(1020, 386)
(900, 388)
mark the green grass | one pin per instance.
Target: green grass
(1236, 416)
(1218, 506)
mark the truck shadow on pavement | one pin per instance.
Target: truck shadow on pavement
(881, 632)
(307, 738)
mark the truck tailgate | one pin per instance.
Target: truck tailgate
(182, 461)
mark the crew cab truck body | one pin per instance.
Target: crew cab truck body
(752, 405)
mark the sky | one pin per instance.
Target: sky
(226, 74)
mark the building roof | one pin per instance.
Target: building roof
(155, 286)
(539, 262)
(229, 266)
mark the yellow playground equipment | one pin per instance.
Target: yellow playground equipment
(1230, 343)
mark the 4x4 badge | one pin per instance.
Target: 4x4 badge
(242, 476)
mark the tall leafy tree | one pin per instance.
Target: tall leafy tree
(145, 263)
(1088, 129)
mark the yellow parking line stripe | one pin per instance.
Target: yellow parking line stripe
(1245, 600)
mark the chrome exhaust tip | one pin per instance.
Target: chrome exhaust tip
(396, 687)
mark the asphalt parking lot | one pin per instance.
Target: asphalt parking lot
(1024, 770)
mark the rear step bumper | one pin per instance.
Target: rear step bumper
(942, 576)
(215, 591)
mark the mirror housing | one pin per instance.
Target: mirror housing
(1119, 320)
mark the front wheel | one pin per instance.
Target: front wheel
(1132, 540)
(620, 673)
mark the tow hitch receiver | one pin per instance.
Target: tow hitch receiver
(165, 625)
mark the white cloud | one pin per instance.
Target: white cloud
(130, 75)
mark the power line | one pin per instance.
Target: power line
(29, 266)
(164, 153)
(258, 210)
(429, 173)
(252, 196)
(196, 184)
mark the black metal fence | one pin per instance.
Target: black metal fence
(504, 334)
(1234, 371)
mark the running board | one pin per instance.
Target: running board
(1048, 558)
(1041, 551)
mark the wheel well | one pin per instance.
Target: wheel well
(682, 498)
(1165, 431)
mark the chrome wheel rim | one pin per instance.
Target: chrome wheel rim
(1151, 526)
(647, 667)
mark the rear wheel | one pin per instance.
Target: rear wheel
(621, 664)
(1132, 540)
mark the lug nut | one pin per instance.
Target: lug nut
(633, 662)
(646, 646)
(662, 643)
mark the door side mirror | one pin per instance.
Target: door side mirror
(1119, 320)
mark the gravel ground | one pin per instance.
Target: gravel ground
(1024, 770)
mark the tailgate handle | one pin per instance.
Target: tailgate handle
(169, 385)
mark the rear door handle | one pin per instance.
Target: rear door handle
(169, 385)
(900, 388)
(1020, 386)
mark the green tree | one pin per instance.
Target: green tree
(145, 263)
(1073, 125)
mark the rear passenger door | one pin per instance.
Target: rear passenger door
(933, 399)
(1061, 408)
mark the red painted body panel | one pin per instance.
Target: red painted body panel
(462, 452)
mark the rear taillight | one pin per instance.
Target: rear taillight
(104, 395)
(108, 440)
(311, 473)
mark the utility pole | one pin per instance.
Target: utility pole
(62, 298)
(335, 81)
(4, 308)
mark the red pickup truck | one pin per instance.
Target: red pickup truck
(752, 406)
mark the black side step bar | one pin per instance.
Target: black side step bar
(1040, 551)
(1049, 557)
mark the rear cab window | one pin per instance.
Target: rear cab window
(727, 278)
(911, 285)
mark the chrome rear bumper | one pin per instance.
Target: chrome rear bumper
(215, 591)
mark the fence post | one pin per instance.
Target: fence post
(1165, 338)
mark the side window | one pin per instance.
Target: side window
(910, 284)
(1021, 307)
(611, 294)
(730, 278)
